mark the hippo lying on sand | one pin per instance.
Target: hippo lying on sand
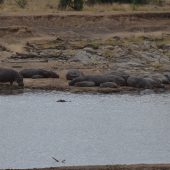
(167, 75)
(98, 79)
(85, 84)
(146, 83)
(73, 73)
(109, 84)
(9, 75)
(38, 73)
(117, 73)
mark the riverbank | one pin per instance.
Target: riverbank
(135, 43)
(113, 167)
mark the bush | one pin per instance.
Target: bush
(1, 1)
(78, 5)
(21, 3)
(64, 4)
(75, 4)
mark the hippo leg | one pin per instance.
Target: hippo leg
(11, 83)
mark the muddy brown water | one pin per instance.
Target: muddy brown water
(86, 130)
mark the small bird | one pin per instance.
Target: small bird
(63, 161)
(55, 159)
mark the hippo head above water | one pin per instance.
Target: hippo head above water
(53, 74)
(19, 80)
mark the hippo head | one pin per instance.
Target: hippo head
(53, 75)
(19, 80)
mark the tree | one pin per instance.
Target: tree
(2, 1)
(74, 4)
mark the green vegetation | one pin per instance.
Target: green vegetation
(21, 3)
(79, 4)
(75, 4)
(1, 1)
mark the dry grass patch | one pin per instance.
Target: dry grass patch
(117, 7)
(51, 6)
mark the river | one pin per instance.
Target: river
(87, 130)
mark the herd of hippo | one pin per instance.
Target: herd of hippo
(10, 75)
(77, 78)
(116, 79)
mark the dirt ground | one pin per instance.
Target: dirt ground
(136, 43)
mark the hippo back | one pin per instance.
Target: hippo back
(10, 75)
(29, 73)
(19, 79)
(98, 79)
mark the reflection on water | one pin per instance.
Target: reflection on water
(91, 129)
(11, 92)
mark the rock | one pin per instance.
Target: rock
(73, 73)
(109, 84)
(85, 84)
(86, 58)
(90, 50)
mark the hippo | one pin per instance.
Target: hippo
(146, 83)
(98, 79)
(73, 73)
(167, 75)
(159, 77)
(119, 73)
(38, 73)
(10, 75)
(85, 84)
(37, 77)
(108, 85)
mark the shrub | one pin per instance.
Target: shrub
(75, 4)
(21, 3)
(1, 1)
(64, 4)
(78, 5)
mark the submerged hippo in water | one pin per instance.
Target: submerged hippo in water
(9, 75)
(38, 73)
(98, 79)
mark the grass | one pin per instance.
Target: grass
(50, 6)
(108, 53)
(95, 44)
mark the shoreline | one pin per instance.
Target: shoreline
(108, 167)
(83, 90)
(93, 43)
